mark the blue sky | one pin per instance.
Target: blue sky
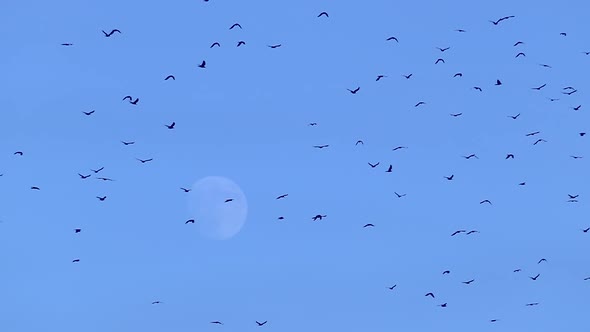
(246, 117)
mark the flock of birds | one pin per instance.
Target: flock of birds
(389, 168)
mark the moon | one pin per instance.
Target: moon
(216, 218)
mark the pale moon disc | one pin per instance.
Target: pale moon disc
(216, 218)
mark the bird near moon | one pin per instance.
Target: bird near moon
(219, 207)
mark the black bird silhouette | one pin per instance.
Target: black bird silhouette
(498, 82)
(444, 305)
(544, 65)
(573, 196)
(77, 230)
(235, 25)
(458, 232)
(514, 117)
(471, 156)
(493, 320)
(35, 188)
(88, 113)
(185, 190)
(486, 201)
(563, 34)
(510, 155)
(368, 225)
(460, 30)
(439, 60)
(229, 200)
(520, 54)
(359, 142)
(420, 103)
(517, 270)
(468, 282)
(202, 65)
(533, 133)
(373, 165)
(323, 14)
(318, 216)
(215, 44)
(458, 74)
(456, 114)
(134, 102)
(97, 170)
(156, 302)
(501, 19)
(429, 294)
(313, 124)
(321, 146)
(392, 38)
(110, 33)
(477, 88)
(450, 177)
(585, 230)
(282, 196)
(577, 108)
(472, 232)
(127, 143)
(380, 77)
(539, 87)
(84, 176)
(190, 221)
(76, 260)
(170, 126)
(105, 179)
(101, 198)
(581, 134)
(399, 148)
(170, 77)
(539, 140)
(532, 304)
(20, 153)
(143, 161)
(446, 272)
(67, 44)
(240, 43)
(260, 324)
(389, 169)
(570, 92)
(553, 99)
(355, 90)
(398, 195)
(518, 43)
(587, 53)
(542, 259)
(535, 277)
(392, 287)
(443, 49)
(407, 76)
(274, 46)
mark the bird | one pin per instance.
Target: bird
(587, 278)
(581, 134)
(468, 282)
(570, 92)
(518, 43)
(398, 195)
(170, 126)
(563, 34)
(260, 324)
(444, 305)
(76, 260)
(458, 75)
(190, 221)
(389, 169)
(170, 77)
(373, 165)
(392, 38)
(228, 200)
(576, 157)
(143, 161)
(501, 19)
(392, 287)
(533, 133)
(449, 177)
(486, 201)
(407, 76)
(202, 65)
(67, 44)
(577, 108)
(429, 294)
(127, 143)
(439, 60)
(282, 196)
(446, 272)
(471, 156)
(105, 179)
(18, 153)
(541, 260)
(419, 103)
(573, 196)
(498, 82)
(217, 322)
(477, 88)
(585, 230)
(510, 155)
(88, 113)
(235, 25)
(354, 91)
(379, 77)
(517, 270)
(399, 148)
(586, 53)
(458, 232)
(539, 87)
(520, 54)
(532, 304)
(545, 65)
(110, 33)
(368, 225)
(493, 320)
(156, 302)
(460, 30)
(84, 176)
(97, 170)
(359, 142)
(456, 114)
(312, 124)
(77, 230)
(321, 146)
(318, 217)
(101, 198)
(514, 117)
(185, 190)
(134, 102)
(535, 277)
(274, 46)
(215, 44)
(240, 43)
(35, 188)
(443, 49)
(323, 14)
(539, 140)
(472, 232)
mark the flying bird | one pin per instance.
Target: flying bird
(321, 146)
(110, 33)
(101, 198)
(471, 156)
(156, 302)
(19, 153)
(443, 49)
(458, 232)
(398, 195)
(486, 201)
(105, 179)
(373, 165)
(240, 43)
(202, 65)
(573, 196)
(539, 87)
(282, 196)
(274, 46)
(380, 77)
(323, 14)
(456, 114)
(535, 277)
(260, 324)
(520, 54)
(419, 103)
(543, 259)
(229, 200)
(392, 38)
(501, 19)
(444, 305)
(235, 25)
(498, 82)
(35, 188)
(392, 287)
(458, 75)
(518, 43)
(577, 108)
(84, 176)
(67, 44)
(127, 143)
(355, 90)
(170, 77)
(170, 126)
(143, 161)
(77, 230)
(429, 294)
(399, 148)
(472, 232)
(76, 260)
(514, 117)
(368, 225)
(318, 217)
(88, 113)
(468, 282)
(532, 304)
(446, 272)
(389, 169)
(533, 133)
(97, 170)
(215, 44)
(477, 88)
(407, 76)
(190, 221)
(359, 142)
(439, 60)
(509, 156)
(449, 177)
(539, 140)
(185, 190)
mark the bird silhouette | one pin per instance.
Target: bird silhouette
(354, 91)
(446, 272)
(509, 156)
(539, 140)
(456, 114)
(514, 117)
(477, 88)
(203, 64)
(439, 60)
(215, 44)
(101, 198)
(389, 169)
(429, 294)
(399, 195)
(359, 142)
(532, 304)
(321, 146)
(379, 77)
(501, 19)
(18, 153)
(419, 103)
(67, 44)
(449, 177)
(240, 43)
(471, 156)
(110, 33)
(235, 25)
(577, 108)
(392, 38)
(368, 225)
(88, 113)
(76, 260)
(392, 287)
(407, 76)
(541, 260)
(170, 77)
(498, 82)
(170, 126)
(458, 232)
(373, 165)
(458, 75)
(105, 179)
(444, 305)
(443, 49)
(318, 217)
(399, 148)
(260, 324)
(127, 143)
(97, 170)
(143, 161)
(228, 200)
(77, 230)
(323, 14)
(190, 221)
(535, 277)
(84, 176)
(518, 43)
(156, 302)
(520, 54)
(468, 282)
(486, 201)
(539, 87)
(35, 188)
(185, 190)
(472, 232)
(274, 46)
(282, 196)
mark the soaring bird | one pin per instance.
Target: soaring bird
(105, 179)
(520, 54)
(318, 217)
(439, 60)
(539, 87)
(260, 324)
(202, 65)
(235, 25)
(373, 165)
(170, 126)
(190, 221)
(392, 287)
(101, 198)
(471, 156)
(127, 143)
(240, 43)
(228, 200)
(84, 176)
(67, 44)
(449, 177)
(35, 188)
(458, 232)
(215, 44)
(498, 82)
(19, 153)
(429, 294)
(392, 38)
(368, 225)
(380, 77)
(486, 201)
(282, 196)
(477, 88)
(88, 113)
(514, 117)
(170, 77)
(321, 146)
(468, 282)
(407, 76)
(419, 103)
(541, 260)
(539, 140)
(532, 304)
(110, 33)
(76, 260)
(274, 46)
(444, 305)
(185, 190)
(458, 75)
(456, 114)
(510, 155)
(472, 232)
(359, 142)
(355, 90)
(398, 195)
(399, 148)
(97, 170)
(217, 322)
(156, 302)
(323, 14)
(446, 272)
(389, 169)
(518, 43)
(143, 161)
(77, 230)
(535, 277)
(443, 49)
(501, 19)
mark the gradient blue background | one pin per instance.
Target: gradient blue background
(245, 117)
